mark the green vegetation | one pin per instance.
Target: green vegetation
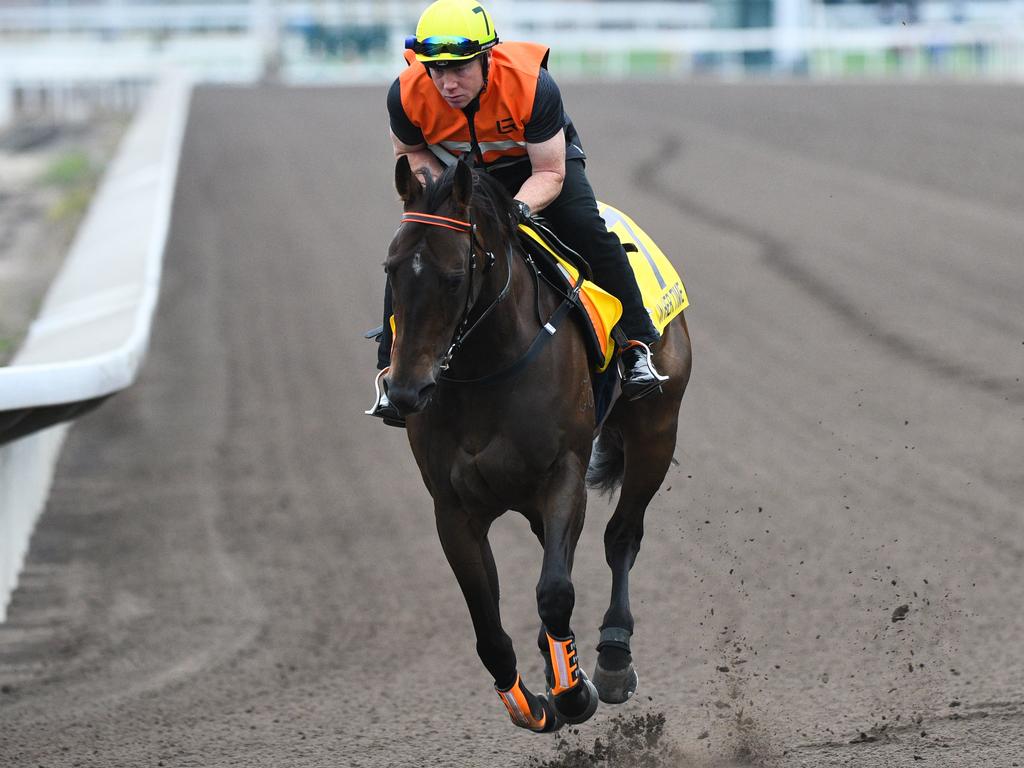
(649, 62)
(72, 205)
(70, 169)
(74, 173)
(967, 60)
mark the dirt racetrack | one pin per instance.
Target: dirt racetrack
(237, 568)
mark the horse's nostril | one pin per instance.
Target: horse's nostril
(403, 398)
(409, 399)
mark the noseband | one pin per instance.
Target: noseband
(467, 227)
(547, 329)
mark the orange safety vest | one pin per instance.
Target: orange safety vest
(505, 106)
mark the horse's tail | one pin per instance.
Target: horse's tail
(607, 462)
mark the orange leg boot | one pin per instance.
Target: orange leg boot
(573, 695)
(527, 710)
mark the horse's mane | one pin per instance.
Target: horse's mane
(491, 202)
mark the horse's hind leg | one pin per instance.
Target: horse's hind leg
(464, 540)
(573, 695)
(648, 455)
(638, 441)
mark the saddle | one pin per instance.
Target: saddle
(561, 266)
(661, 288)
(539, 233)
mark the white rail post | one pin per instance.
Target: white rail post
(790, 17)
(6, 102)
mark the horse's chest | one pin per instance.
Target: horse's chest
(497, 476)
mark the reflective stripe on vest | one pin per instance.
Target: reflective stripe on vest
(505, 106)
(444, 150)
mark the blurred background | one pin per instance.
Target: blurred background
(67, 58)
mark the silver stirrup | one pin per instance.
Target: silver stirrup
(380, 392)
(650, 359)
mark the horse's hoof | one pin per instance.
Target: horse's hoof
(553, 720)
(579, 704)
(615, 686)
(533, 713)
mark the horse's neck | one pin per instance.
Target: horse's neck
(510, 327)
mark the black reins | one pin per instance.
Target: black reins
(468, 227)
(464, 330)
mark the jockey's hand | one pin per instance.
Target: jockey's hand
(524, 214)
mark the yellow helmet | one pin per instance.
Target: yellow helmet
(452, 30)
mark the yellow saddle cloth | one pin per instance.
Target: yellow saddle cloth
(661, 288)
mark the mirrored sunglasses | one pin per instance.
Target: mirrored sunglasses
(439, 45)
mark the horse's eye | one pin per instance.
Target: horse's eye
(454, 280)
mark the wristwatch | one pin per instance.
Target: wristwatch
(524, 209)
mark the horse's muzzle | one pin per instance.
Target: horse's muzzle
(409, 398)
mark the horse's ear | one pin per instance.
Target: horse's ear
(462, 189)
(406, 182)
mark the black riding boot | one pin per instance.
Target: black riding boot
(639, 376)
(575, 218)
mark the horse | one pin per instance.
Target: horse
(500, 416)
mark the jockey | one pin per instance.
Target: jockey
(466, 95)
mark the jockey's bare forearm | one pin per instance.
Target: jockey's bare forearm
(424, 159)
(540, 189)
(420, 158)
(547, 158)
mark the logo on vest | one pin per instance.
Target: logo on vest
(508, 125)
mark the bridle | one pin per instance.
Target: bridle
(464, 329)
(547, 329)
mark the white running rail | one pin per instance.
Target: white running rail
(92, 332)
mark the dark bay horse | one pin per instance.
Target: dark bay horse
(500, 416)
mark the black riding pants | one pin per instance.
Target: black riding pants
(574, 217)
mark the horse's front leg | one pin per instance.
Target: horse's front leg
(562, 514)
(464, 540)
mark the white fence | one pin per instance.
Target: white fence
(514, 18)
(26, 470)
(63, 46)
(93, 330)
(112, 18)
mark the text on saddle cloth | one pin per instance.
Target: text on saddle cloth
(661, 287)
